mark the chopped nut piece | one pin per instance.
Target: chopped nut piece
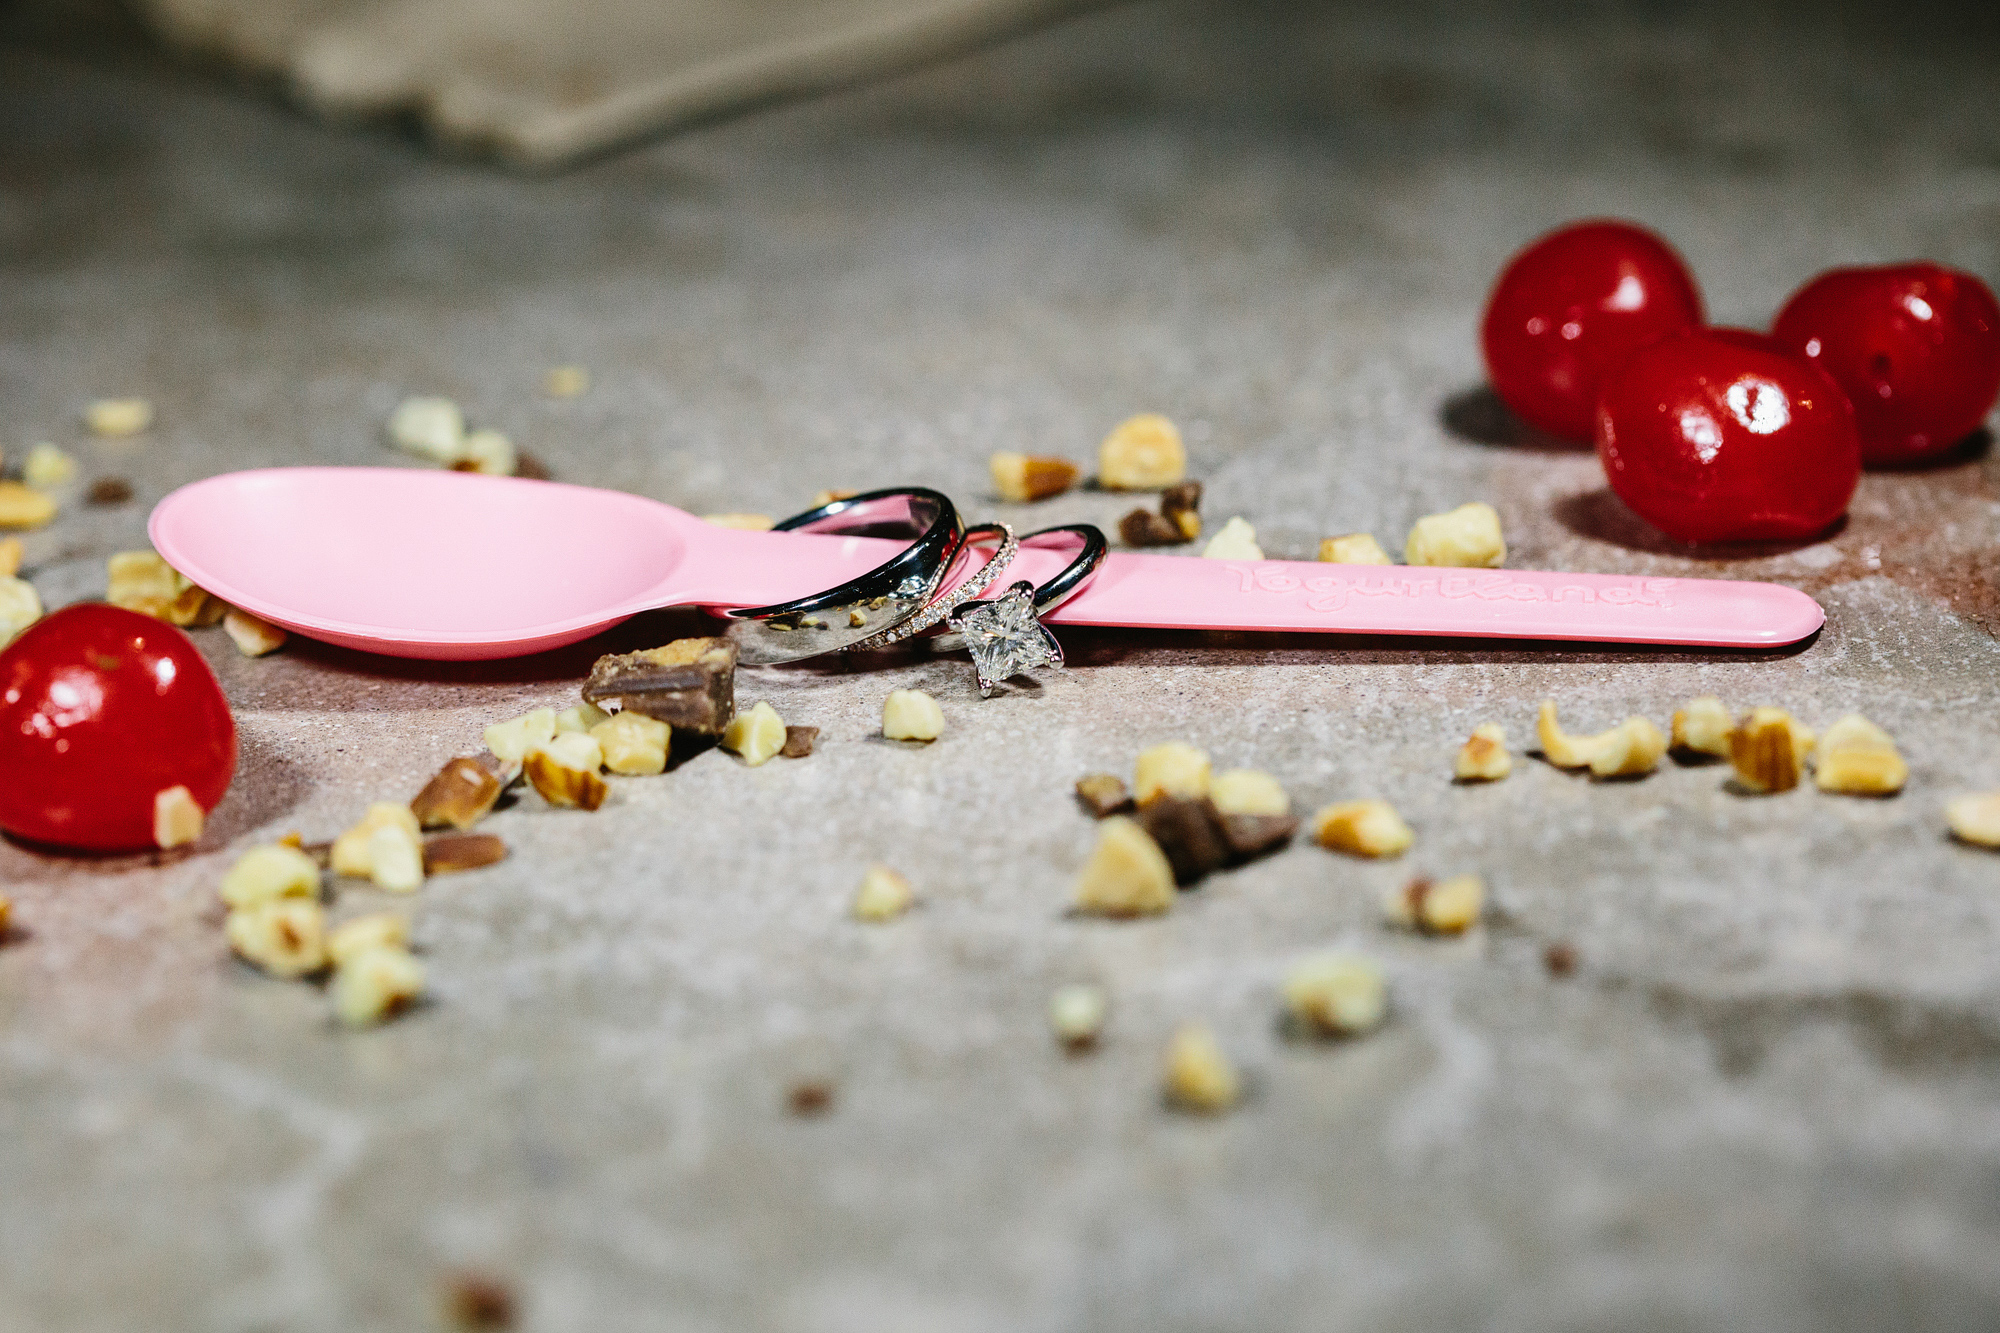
(1855, 757)
(352, 851)
(1143, 527)
(10, 556)
(377, 930)
(24, 506)
(286, 936)
(911, 715)
(1127, 875)
(47, 466)
(581, 718)
(1362, 828)
(432, 427)
(884, 895)
(813, 1097)
(253, 635)
(1189, 833)
(1703, 727)
(634, 744)
(1356, 548)
(530, 468)
(141, 581)
(1768, 749)
(395, 859)
(375, 984)
(1236, 541)
(1340, 994)
(1247, 791)
(756, 735)
(1447, 907)
(1467, 537)
(1250, 836)
(177, 818)
(1077, 1013)
(511, 741)
(745, 522)
(6, 914)
(1631, 748)
(114, 418)
(264, 874)
(1484, 757)
(194, 608)
(1199, 1077)
(446, 853)
(1022, 480)
(1172, 769)
(1142, 453)
(1103, 794)
(1181, 506)
(1975, 818)
(799, 742)
(488, 452)
(564, 771)
(690, 684)
(458, 796)
(1560, 959)
(20, 607)
(566, 382)
(477, 1302)
(107, 491)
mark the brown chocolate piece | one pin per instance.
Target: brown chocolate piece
(1103, 794)
(814, 1097)
(1184, 498)
(1251, 836)
(1143, 527)
(108, 491)
(477, 1301)
(690, 684)
(459, 796)
(529, 467)
(1190, 833)
(1560, 959)
(799, 742)
(462, 851)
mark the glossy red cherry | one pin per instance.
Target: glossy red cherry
(1570, 309)
(1715, 436)
(101, 709)
(1916, 347)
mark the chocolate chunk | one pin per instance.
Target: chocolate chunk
(814, 1097)
(108, 491)
(690, 684)
(799, 742)
(461, 851)
(474, 1300)
(1190, 833)
(1103, 794)
(1251, 836)
(529, 467)
(1560, 959)
(1184, 498)
(458, 796)
(1143, 527)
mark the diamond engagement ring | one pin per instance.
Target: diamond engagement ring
(953, 598)
(862, 607)
(1005, 635)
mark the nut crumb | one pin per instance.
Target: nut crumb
(1560, 959)
(564, 768)
(458, 795)
(395, 859)
(911, 715)
(1854, 757)
(1484, 756)
(446, 853)
(634, 745)
(810, 1098)
(1199, 1076)
(1174, 768)
(6, 915)
(799, 742)
(1237, 540)
(107, 491)
(1142, 453)
(377, 930)
(1127, 874)
(488, 452)
(475, 1301)
(742, 522)
(11, 552)
(1703, 727)
(1337, 994)
(1975, 818)
(177, 818)
(510, 741)
(376, 984)
(1356, 548)
(266, 874)
(1248, 791)
(1362, 828)
(46, 466)
(1446, 907)
(884, 895)
(1077, 1013)
(115, 418)
(1467, 537)
(1022, 479)
(1768, 749)
(431, 427)
(1103, 794)
(352, 854)
(23, 506)
(20, 607)
(1630, 749)
(756, 735)
(565, 382)
(252, 635)
(285, 936)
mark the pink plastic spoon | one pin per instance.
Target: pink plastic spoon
(451, 565)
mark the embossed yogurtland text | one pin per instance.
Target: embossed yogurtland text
(1334, 592)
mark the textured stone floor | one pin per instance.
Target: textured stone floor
(1769, 1097)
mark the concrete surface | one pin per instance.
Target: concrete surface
(1770, 1096)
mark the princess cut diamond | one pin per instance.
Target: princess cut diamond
(1005, 639)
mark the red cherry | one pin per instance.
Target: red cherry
(1916, 347)
(1572, 308)
(101, 709)
(1712, 437)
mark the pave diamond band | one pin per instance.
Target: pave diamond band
(942, 607)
